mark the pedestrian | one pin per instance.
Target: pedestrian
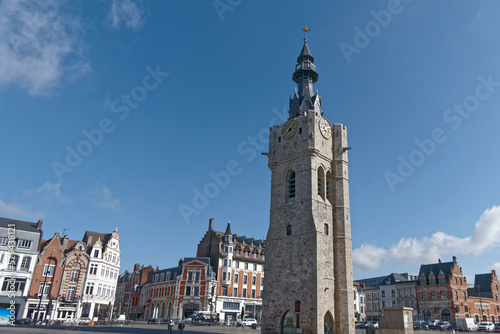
(170, 326)
(181, 327)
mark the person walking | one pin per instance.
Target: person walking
(170, 326)
(181, 327)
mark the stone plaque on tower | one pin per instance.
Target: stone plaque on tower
(308, 271)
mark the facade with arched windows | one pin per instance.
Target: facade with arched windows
(443, 293)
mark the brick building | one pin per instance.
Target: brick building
(19, 242)
(128, 291)
(47, 277)
(443, 293)
(180, 291)
(239, 264)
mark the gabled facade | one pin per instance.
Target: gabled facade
(239, 264)
(180, 291)
(19, 242)
(47, 278)
(75, 266)
(102, 275)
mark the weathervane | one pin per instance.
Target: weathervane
(305, 30)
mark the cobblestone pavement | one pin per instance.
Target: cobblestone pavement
(129, 329)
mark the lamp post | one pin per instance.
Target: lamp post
(480, 302)
(43, 286)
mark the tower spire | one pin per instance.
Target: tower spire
(305, 75)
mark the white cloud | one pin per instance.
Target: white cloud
(17, 211)
(39, 45)
(102, 197)
(429, 249)
(128, 13)
(496, 267)
(48, 192)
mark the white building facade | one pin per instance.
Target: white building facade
(19, 242)
(102, 275)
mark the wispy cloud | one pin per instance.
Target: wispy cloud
(48, 192)
(102, 197)
(17, 211)
(39, 45)
(429, 249)
(128, 13)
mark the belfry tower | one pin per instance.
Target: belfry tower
(308, 271)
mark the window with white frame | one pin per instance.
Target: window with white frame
(44, 289)
(21, 243)
(25, 263)
(48, 270)
(71, 293)
(93, 269)
(74, 275)
(89, 290)
(4, 241)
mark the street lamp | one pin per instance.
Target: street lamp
(480, 302)
(43, 286)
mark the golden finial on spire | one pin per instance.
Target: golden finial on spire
(305, 30)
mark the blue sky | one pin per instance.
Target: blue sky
(118, 113)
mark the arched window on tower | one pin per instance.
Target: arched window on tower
(289, 229)
(291, 184)
(329, 190)
(326, 229)
(321, 183)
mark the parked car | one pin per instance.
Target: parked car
(372, 324)
(23, 322)
(497, 327)
(486, 326)
(247, 322)
(440, 325)
(420, 324)
(363, 324)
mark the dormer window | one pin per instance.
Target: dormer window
(96, 253)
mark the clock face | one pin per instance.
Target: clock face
(289, 129)
(325, 128)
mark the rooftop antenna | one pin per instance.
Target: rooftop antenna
(64, 231)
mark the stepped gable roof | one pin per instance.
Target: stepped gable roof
(482, 283)
(20, 225)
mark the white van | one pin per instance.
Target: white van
(466, 324)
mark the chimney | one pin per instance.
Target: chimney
(454, 260)
(211, 223)
(39, 224)
(180, 261)
(137, 266)
(493, 272)
(157, 268)
(65, 242)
